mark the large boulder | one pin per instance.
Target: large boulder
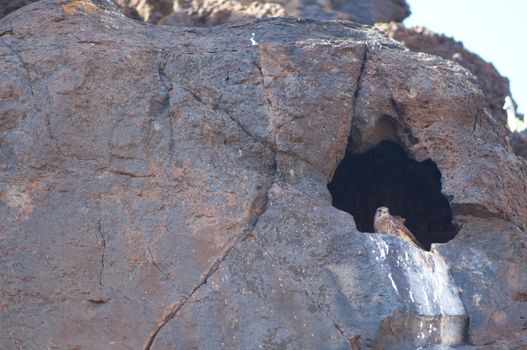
(166, 187)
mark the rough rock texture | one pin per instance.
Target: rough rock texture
(144, 10)
(488, 268)
(151, 11)
(166, 187)
(494, 86)
(518, 142)
(214, 12)
(206, 13)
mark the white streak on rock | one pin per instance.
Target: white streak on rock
(393, 282)
(383, 248)
(420, 280)
(253, 42)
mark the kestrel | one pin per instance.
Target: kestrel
(384, 222)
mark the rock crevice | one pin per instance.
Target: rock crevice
(22, 62)
(214, 268)
(102, 244)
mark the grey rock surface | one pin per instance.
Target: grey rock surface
(166, 187)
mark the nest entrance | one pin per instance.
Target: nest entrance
(387, 176)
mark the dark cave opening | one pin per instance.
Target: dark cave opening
(387, 176)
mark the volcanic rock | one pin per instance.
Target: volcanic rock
(166, 187)
(518, 142)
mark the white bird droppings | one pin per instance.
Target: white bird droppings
(253, 42)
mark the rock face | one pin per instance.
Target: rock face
(518, 142)
(494, 86)
(166, 187)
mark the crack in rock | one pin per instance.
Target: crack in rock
(358, 83)
(186, 298)
(163, 77)
(103, 250)
(242, 237)
(24, 65)
(310, 298)
(129, 174)
(154, 262)
(179, 305)
(335, 324)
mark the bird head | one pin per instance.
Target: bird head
(382, 211)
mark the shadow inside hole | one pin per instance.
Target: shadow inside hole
(386, 176)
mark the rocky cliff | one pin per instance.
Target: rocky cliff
(214, 12)
(167, 187)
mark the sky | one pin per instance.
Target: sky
(495, 30)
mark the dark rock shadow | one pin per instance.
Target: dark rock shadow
(387, 176)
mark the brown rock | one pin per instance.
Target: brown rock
(146, 10)
(214, 12)
(166, 187)
(518, 142)
(495, 313)
(494, 86)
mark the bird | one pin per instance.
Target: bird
(384, 222)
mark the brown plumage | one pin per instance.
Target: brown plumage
(384, 222)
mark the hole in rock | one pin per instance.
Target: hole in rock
(387, 176)
(520, 297)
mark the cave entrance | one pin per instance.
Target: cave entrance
(387, 176)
